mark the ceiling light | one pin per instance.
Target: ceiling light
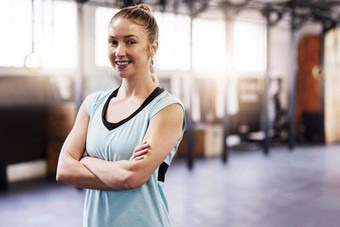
(32, 61)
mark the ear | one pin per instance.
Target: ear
(153, 48)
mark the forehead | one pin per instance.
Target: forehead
(125, 27)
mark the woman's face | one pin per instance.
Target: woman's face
(128, 48)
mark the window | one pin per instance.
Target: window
(209, 45)
(55, 32)
(174, 42)
(15, 39)
(249, 39)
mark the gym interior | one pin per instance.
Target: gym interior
(259, 80)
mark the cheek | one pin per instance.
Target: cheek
(142, 54)
(110, 54)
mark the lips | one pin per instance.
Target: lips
(123, 63)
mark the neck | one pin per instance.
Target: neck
(136, 87)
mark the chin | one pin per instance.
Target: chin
(123, 75)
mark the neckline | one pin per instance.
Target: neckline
(110, 125)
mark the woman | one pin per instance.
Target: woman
(130, 134)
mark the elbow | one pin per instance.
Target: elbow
(132, 184)
(60, 177)
(65, 172)
(133, 181)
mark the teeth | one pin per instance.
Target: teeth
(122, 62)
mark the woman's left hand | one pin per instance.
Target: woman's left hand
(139, 151)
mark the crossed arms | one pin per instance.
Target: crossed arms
(94, 173)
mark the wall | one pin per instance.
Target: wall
(332, 86)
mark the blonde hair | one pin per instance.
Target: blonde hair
(142, 15)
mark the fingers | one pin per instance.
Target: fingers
(138, 154)
(138, 158)
(141, 146)
(139, 151)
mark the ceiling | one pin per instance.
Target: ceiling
(325, 11)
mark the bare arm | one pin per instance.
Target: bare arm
(164, 131)
(70, 170)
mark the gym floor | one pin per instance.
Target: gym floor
(286, 188)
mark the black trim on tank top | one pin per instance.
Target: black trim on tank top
(161, 171)
(110, 125)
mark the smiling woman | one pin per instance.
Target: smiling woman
(130, 35)
(129, 49)
(130, 134)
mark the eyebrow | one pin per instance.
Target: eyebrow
(125, 37)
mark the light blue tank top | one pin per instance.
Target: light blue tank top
(144, 206)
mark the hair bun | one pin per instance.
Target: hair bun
(144, 7)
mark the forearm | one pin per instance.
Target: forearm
(70, 170)
(114, 174)
(73, 172)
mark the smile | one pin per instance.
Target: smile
(123, 62)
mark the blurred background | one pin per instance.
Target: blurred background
(259, 79)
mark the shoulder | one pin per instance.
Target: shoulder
(168, 108)
(167, 96)
(164, 100)
(93, 100)
(167, 118)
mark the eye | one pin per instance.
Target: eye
(131, 42)
(113, 42)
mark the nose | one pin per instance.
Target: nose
(120, 51)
